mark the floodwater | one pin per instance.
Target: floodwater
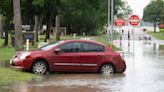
(144, 73)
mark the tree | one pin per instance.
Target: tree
(78, 16)
(7, 12)
(153, 12)
(36, 28)
(124, 10)
(38, 6)
(48, 8)
(1, 29)
(18, 25)
(58, 27)
(88, 16)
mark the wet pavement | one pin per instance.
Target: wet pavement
(144, 73)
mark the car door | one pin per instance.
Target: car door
(67, 59)
(91, 57)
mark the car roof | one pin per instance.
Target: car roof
(83, 40)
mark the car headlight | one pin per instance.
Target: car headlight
(122, 55)
(24, 55)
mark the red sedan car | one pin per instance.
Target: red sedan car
(72, 56)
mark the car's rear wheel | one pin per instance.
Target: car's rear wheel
(39, 67)
(107, 69)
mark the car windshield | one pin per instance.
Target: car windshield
(51, 45)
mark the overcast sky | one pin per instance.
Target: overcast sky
(137, 6)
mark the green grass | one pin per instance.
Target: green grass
(8, 76)
(103, 39)
(1, 42)
(158, 35)
(6, 53)
(162, 30)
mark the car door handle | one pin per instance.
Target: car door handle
(99, 56)
(76, 56)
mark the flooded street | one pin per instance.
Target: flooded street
(144, 73)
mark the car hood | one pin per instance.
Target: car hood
(32, 51)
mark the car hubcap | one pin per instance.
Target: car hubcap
(107, 69)
(39, 68)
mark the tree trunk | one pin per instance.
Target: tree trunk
(36, 27)
(1, 28)
(67, 33)
(154, 24)
(48, 27)
(6, 38)
(18, 25)
(57, 27)
(40, 24)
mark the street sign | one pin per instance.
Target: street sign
(119, 22)
(134, 20)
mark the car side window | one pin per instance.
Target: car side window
(76, 47)
(89, 47)
(66, 47)
(71, 47)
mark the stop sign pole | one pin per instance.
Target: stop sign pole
(134, 20)
(119, 22)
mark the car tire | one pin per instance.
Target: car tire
(107, 69)
(39, 67)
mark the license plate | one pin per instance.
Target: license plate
(11, 62)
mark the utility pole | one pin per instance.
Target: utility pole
(108, 30)
(112, 16)
(110, 20)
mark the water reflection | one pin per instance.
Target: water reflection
(154, 49)
(70, 82)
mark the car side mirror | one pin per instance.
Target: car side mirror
(57, 50)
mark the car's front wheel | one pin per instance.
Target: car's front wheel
(107, 69)
(39, 67)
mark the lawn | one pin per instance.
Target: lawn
(1, 42)
(158, 35)
(103, 39)
(8, 75)
(6, 53)
(162, 30)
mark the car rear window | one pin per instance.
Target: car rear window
(88, 47)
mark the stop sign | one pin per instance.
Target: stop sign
(134, 20)
(119, 22)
